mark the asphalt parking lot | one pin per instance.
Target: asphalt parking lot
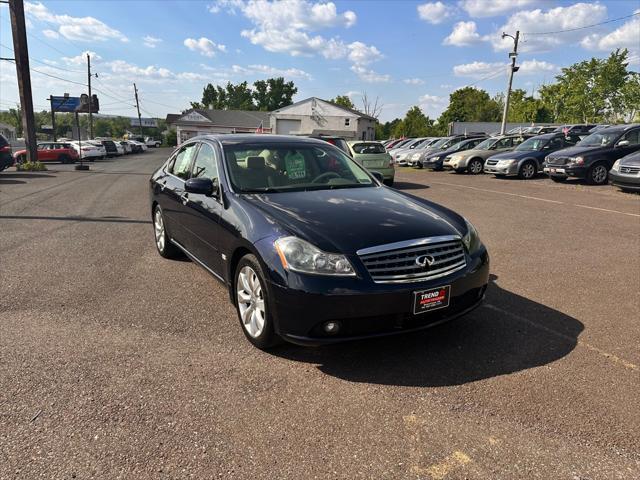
(117, 363)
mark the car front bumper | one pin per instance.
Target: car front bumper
(433, 165)
(366, 309)
(628, 182)
(565, 171)
(387, 173)
(501, 169)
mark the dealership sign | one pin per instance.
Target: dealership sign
(146, 122)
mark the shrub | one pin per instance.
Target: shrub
(31, 167)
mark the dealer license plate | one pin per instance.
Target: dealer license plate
(432, 299)
(556, 170)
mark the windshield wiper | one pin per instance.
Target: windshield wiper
(263, 190)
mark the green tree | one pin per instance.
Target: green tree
(414, 124)
(343, 101)
(593, 90)
(470, 105)
(273, 93)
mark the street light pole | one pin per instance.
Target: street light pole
(512, 70)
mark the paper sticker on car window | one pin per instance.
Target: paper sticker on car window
(294, 163)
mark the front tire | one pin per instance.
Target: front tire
(527, 171)
(164, 246)
(475, 166)
(253, 304)
(598, 174)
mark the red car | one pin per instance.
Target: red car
(51, 152)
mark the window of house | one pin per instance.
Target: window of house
(347, 122)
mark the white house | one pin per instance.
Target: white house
(315, 116)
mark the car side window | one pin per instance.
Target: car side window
(633, 137)
(205, 165)
(554, 144)
(182, 162)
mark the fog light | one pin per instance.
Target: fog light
(332, 327)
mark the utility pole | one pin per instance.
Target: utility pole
(21, 50)
(138, 108)
(90, 97)
(512, 70)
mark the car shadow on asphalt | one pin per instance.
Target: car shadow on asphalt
(510, 333)
(26, 175)
(73, 218)
(10, 181)
(409, 186)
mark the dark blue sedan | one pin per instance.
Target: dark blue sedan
(312, 247)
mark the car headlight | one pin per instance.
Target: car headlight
(577, 160)
(300, 256)
(616, 166)
(434, 159)
(471, 239)
(507, 162)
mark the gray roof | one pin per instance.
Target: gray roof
(233, 118)
(172, 118)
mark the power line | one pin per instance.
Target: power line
(45, 63)
(584, 27)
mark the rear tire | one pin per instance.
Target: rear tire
(527, 170)
(164, 246)
(253, 304)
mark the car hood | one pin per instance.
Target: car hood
(577, 151)
(632, 160)
(514, 155)
(346, 220)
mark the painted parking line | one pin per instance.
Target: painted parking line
(609, 356)
(440, 470)
(528, 197)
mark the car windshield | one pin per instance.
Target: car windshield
(440, 143)
(532, 144)
(368, 148)
(487, 144)
(599, 139)
(292, 167)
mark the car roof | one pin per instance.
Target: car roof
(617, 128)
(354, 142)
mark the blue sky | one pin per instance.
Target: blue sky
(406, 53)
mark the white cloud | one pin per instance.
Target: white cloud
(435, 12)
(51, 34)
(82, 58)
(362, 54)
(413, 81)
(463, 34)
(625, 36)
(477, 69)
(552, 20)
(432, 105)
(269, 70)
(533, 67)
(369, 76)
(206, 47)
(290, 26)
(491, 8)
(84, 29)
(151, 42)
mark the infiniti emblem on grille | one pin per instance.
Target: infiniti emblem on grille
(625, 170)
(424, 260)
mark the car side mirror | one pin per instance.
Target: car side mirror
(202, 186)
(622, 143)
(378, 176)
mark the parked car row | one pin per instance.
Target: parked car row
(590, 152)
(71, 151)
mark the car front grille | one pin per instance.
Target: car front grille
(630, 170)
(492, 162)
(558, 161)
(398, 262)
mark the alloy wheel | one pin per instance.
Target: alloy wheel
(599, 174)
(475, 167)
(250, 301)
(528, 170)
(158, 227)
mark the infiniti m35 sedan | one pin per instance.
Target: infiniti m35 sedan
(311, 246)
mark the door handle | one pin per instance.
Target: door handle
(185, 198)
